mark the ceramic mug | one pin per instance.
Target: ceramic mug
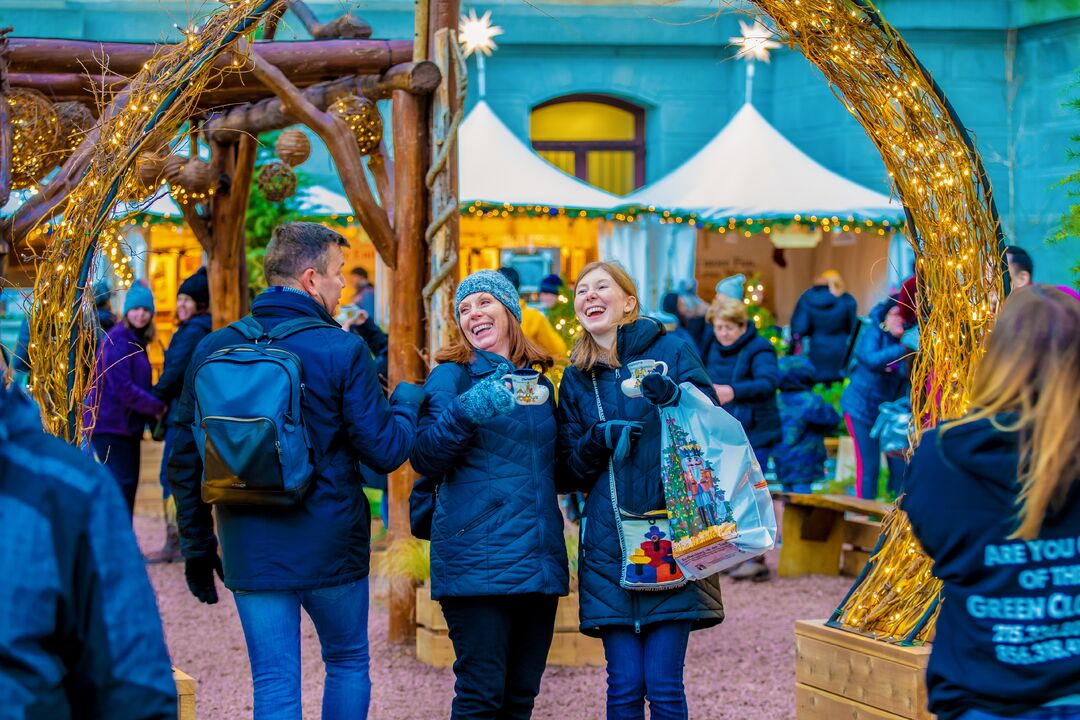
(631, 386)
(525, 384)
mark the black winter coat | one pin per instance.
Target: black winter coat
(824, 323)
(177, 357)
(583, 467)
(497, 529)
(749, 367)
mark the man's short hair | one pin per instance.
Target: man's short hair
(1019, 257)
(359, 272)
(296, 246)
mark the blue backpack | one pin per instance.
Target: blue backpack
(249, 424)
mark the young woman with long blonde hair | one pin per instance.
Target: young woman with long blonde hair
(994, 498)
(644, 632)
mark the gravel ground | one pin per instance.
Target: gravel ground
(742, 670)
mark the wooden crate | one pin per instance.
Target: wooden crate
(185, 695)
(843, 675)
(568, 645)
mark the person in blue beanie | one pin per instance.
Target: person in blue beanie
(608, 439)
(314, 554)
(498, 559)
(994, 500)
(195, 323)
(805, 420)
(81, 635)
(121, 394)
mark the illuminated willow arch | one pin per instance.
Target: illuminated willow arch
(956, 233)
(145, 116)
(937, 173)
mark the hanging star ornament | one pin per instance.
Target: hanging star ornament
(477, 34)
(756, 42)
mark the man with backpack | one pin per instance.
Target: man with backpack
(277, 412)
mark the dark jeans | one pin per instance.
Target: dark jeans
(501, 643)
(646, 665)
(271, 622)
(120, 454)
(868, 461)
(166, 450)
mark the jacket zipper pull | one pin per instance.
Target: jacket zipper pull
(637, 627)
(616, 373)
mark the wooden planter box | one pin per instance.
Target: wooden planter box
(843, 675)
(185, 695)
(568, 646)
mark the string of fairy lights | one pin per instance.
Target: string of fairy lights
(747, 226)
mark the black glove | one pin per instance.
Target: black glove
(616, 436)
(199, 573)
(659, 389)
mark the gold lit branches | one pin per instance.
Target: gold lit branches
(146, 116)
(936, 172)
(35, 137)
(953, 228)
(898, 599)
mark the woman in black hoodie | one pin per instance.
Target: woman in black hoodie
(994, 499)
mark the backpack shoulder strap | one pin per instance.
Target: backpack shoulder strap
(249, 327)
(291, 327)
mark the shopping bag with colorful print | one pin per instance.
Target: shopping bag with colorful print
(718, 502)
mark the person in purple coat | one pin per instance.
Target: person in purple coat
(121, 392)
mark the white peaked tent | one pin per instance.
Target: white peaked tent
(750, 170)
(496, 168)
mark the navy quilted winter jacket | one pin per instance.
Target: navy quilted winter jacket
(497, 529)
(583, 466)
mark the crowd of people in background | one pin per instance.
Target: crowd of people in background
(495, 455)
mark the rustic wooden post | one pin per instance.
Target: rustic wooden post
(5, 126)
(227, 256)
(406, 362)
(443, 233)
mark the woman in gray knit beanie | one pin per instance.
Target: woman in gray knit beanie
(498, 561)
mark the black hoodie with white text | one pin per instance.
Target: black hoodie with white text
(1008, 636)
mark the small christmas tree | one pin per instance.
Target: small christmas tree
(762, 317)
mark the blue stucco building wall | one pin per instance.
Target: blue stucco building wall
(1006, 65)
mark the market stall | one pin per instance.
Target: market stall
(750, 201)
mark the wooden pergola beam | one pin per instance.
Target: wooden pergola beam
(341, 143)
(312, 59)
(270, 113)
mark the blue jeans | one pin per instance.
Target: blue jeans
(271, 623)
(1064, 712)
(646, 665)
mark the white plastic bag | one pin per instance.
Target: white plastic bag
(717, 499)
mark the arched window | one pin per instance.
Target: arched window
(596, 138)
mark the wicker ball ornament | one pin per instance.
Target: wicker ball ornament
(35, 137)
(150, 168)
(293, 147)
(276, 181)
(363, 118)
(190, 179)
(75, 120)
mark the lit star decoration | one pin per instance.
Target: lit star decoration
(755, 43)
(477, 34)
